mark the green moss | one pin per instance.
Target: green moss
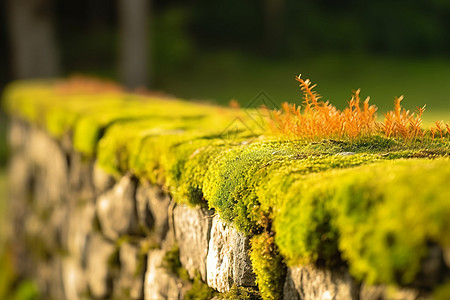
(379, 216)
(442, 292)
(239, 292)
(199, 290)
(171, 262)
(268, 266)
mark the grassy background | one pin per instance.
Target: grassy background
(223, 76)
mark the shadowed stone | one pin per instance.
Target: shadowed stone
(152, 209)
(192, 231)
(228, 262)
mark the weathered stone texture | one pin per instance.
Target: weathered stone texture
(102, 181)
(98, 268)
(228, 262)
(80, 225)
(312, 283)
(192, 232)
(116, 209)
(152, 209)
(159, 283)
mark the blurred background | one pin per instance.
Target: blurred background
(215, 50)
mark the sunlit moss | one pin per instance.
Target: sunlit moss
(268, 266)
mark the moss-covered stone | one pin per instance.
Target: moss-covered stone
(372, 203)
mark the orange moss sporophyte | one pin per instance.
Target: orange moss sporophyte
(317, 119)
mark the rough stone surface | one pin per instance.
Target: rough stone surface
(79, 228)
(228, 262)
(116, 209)
(152, 209)
(132, 270)
(98, 266)
(192, 232)
(159, 283)
(102, 180)
(51, 169)
(312, 283)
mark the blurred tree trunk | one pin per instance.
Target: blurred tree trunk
(134, 44)
(32, 38)
(274, 21)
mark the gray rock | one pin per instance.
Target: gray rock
(159, 283)
(192, 232)
(50, 169)
(80, 222)
(132, 270)
(228, 262)
(152, 209)
(102, 180)
(312, 283)
(98, 269)
(116, 209)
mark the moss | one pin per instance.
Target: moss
(171, 262)
(382, 240)
(240, 292)
(442, 292)
(199, 290)
(268, 266)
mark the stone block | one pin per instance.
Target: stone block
(132, 270)
(98, 266)
(192, 233)
(159, 283)
(116, 209)
(152, 209)
(80, 223)
(102, 181)
(228, 261)
(50, 169)
(312, 283)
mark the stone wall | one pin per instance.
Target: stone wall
(83, 234)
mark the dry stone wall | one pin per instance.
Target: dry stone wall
(83, 234)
